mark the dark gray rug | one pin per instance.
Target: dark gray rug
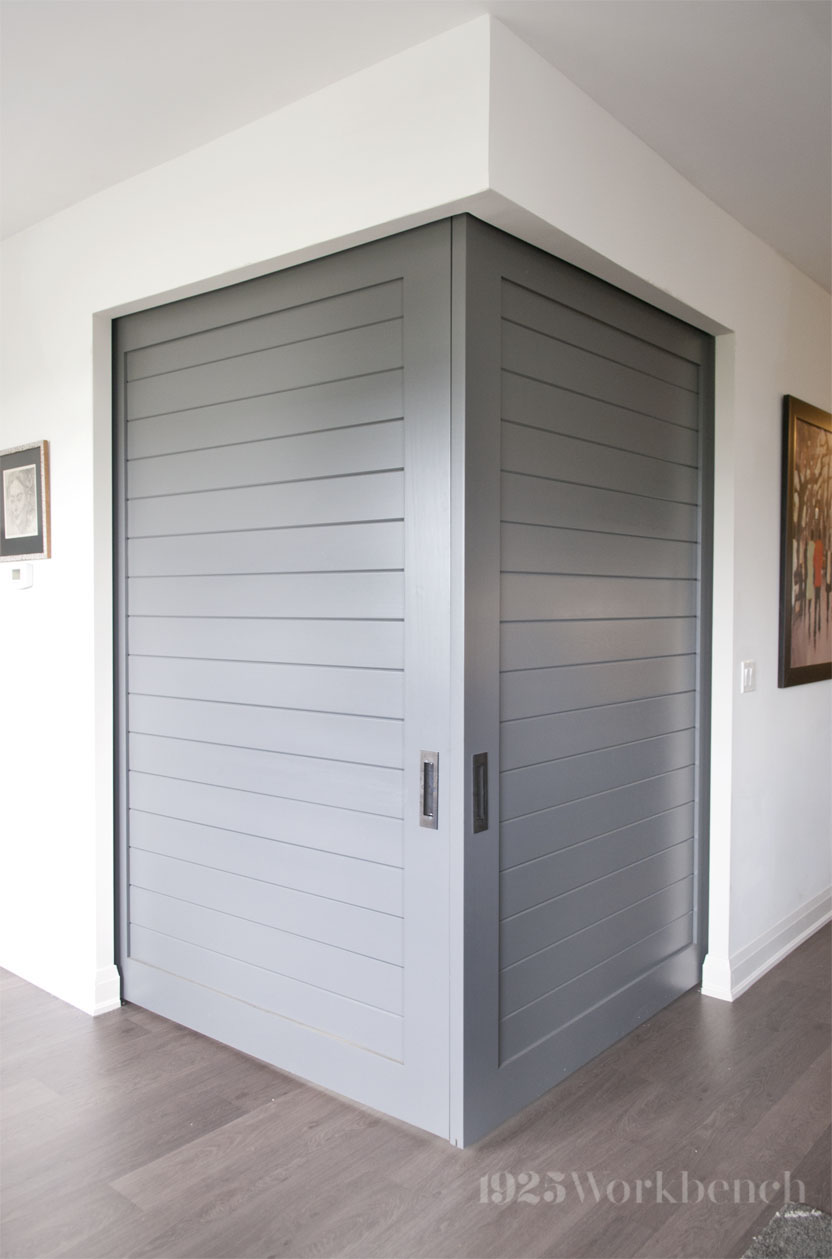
(795, 1232)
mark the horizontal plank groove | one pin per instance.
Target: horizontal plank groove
(384, 898)
(316, 896)
(349, 877)
(365, 596)
(332, 843)
(362, 498)
(537, 740)
(339, 313)
(593, 397)
(534, 572)
(551, 430)
(289, 1000)
(530, 465)
(551, 550)
(289, 412)
(552, 644)
(528, 789)
(243, 353)
(535, 874)
(532, 500)
(160, 821)
(533, 668)
(280, 708)
(323, 620)
(270, 484)
(282, 572)
(573, 756)
(540, 357)
(590, 795)
(532, 597)
(535, 977)
(599, 921)
(212, 948)
(558, 410)
(562, 826)
(584, 708)
(215, 805)
(243, 747)
(334, 357)
(299, 935)
(528, 326)
(348, 451)
(582, 529)
(342, 737)
(353, 547)
(545, 920)
(591, 485)
(264, 439)
(254, 398)
(356, 929)
(341, 643)
(271, 795)
(545, 313)
(603, 962)
(302, 664)
(541, 692)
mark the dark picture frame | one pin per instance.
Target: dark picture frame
(806, 545)
(24, 502)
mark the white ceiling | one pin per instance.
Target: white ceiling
(735, 94)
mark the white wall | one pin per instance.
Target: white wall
(471, 120)
(595, 194)
(392, 145)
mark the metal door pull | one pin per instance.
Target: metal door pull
(480, 792)
(429, 789)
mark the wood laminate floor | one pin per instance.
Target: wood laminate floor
(127, 1135)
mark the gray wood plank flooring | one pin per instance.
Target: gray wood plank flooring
(127, 1135)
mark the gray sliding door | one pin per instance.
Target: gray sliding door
(283, 487)
(587, 488)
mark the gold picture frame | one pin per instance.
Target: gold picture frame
(806, 545)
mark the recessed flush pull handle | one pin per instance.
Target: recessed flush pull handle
(480, 792)
(429, 790)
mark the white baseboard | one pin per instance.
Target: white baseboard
(107, 990)
(716, 977)
(728, 977)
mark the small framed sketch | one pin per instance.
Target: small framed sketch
(806, 545)
(24, 502)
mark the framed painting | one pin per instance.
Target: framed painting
(24, 502)
(806, 545)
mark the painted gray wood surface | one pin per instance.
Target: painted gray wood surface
(343, 312)
(361, 644)
(330, 736)
(628, 575)
(290, 642)
(313, 408)
(584, 667)
(329, 500)
(545, 406)
(284, 497)
(338, 356)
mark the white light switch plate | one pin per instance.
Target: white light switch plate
(20, 576)
(748, 676)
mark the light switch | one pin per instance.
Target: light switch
(748, 677)
(21, 576)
